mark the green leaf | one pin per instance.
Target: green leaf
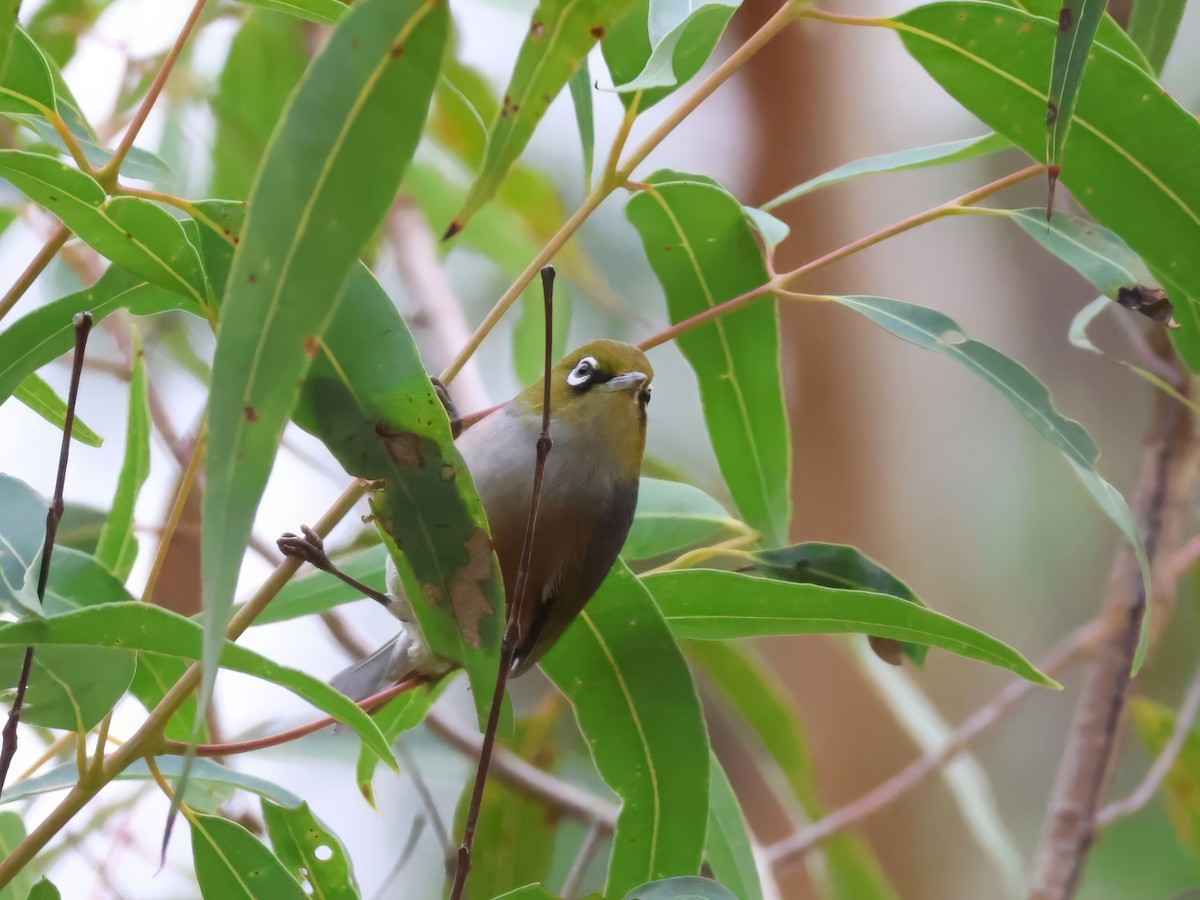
(715, 606)
(132, 232)
(47, 333)
(41, 398)
(729, 850)
(118, 546)
(703, 251)
(369, 399)
(400, 715)
(77, 579)
(773, 231)
(12, 832)
(330, 173)
(688, 887)
(269, 53)
(673, 516)
(44, 890)
(838, 566)
(318, 591)
(8, 24)
(232, 863)
(155, 676)
(22, 534)
(932, 330)
(900, 161)
(152, 629)
(323, 12)
(310, 851)
(1155, 724)
(1125, 146)
(748, 687)
(560, 36)
(637, 708)
(26, 87)
(665, 45)
(581, 99)
(71, 688)
(1152, 25)
(1077, 24)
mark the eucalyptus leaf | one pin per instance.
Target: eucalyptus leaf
(1078, 21)
(12, 832)
(1153, 25)
(71, 688)
(682, 888)
(673, 516)
(729, 849)
(42, 399)
(232, 863)
(310, 851)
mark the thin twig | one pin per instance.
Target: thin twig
(8, 743)
(792, 848)
(409, 762)
(583, 859)
(35, 268)
(1141, 795)
(1164, 492)
(512, 632)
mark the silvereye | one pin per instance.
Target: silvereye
(598, 399)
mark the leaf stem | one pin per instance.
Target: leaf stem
(69, 139)
(35, 268)
(181, 203)
(107, 174)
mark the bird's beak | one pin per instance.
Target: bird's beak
(626, 382)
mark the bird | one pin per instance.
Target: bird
(598, 399)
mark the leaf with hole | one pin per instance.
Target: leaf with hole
(716, 606)
(672, 516)
(42, 399)
(310, 851)
(232, 863)
(701, 247)
(1126, 150)
(931, 330)
(329, 175)
(637, 708)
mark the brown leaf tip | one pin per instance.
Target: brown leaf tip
(1150, 302)
(454, 229)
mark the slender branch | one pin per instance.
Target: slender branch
(69, 140)
(1060, 657)
(583, 859)
(35, 268)
(375, 701)
(149, 736)
(184, 205)
(407, 760)
(8, 741)
(560, 797)
(1162, 765)
(1162, 503)
(107, 175)
(512, 632)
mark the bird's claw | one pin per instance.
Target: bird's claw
(310, 548)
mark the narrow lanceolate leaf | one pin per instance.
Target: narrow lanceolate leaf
(71, 688)
(118, 546)
(1152, 25)
(747, 686)
(44, 890)
(369, 399)
(8, 24)
(673, 516)
(26, 87)
(1077, 24)
(328, 177)
(900, 161)
(152, 629)
(701, 247)
(1124, 149)
(400, 715)
(581, 97)
(323, 12)
(715, 606)
(661, 44)
(729, 847)
(46, 333)
(637, 708)
(232, 864)
(41, 398)
(932, 330)
(310, 851)
(134, 233)
(1155, 724)
(560, 35)
(1109, 34)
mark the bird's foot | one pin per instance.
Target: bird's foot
(451, 407)
(311, 549)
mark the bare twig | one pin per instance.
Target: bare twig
(8, 743)
(35, 268)
(792, 848)
(1141, 795)
(1162, 503)
(583, 859)
(512, 631)
(409, 762)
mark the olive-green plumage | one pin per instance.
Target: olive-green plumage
(598, 399)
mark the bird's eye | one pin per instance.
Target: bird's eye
(582, 373)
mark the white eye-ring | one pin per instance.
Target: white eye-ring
(582, 372)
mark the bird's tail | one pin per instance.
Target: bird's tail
(375, 673)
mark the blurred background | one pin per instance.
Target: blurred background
(896, 451)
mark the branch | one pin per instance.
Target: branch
(1059, 658)
(8, 740)
(1162, 498)
(35, 268)
(1158, 771)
